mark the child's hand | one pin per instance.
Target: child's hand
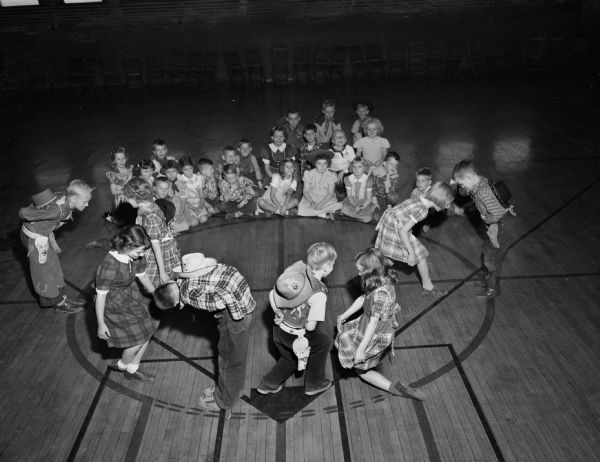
(511, 210)
(278, 317)
(359, 356)
(163, 278)
(242, 203)
(103, 332)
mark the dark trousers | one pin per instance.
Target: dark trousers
(492, 257)
(232, 207)
(314, 376)
(232, 350)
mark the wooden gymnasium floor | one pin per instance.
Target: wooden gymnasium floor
(514, 378)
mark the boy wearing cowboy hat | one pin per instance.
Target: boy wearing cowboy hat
(48, 212)
(299, 300)
(222, 290)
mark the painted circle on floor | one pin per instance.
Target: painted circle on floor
(81, 354)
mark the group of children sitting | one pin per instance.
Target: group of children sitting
(306, 170)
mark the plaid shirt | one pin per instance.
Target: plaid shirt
(223, 287)
(488, 206)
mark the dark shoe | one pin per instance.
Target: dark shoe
(266, 390)
(114, 366)
(409, 392)
(139, 375)
(485, 294)
(68, 307)
(77, 301)
(435, 292)
(229, 216)
(326, 386)
(292, 212)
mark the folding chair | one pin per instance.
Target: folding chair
(254, 66)
(279, 65)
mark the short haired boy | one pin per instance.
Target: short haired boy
(223, 291)
(326, 122)
(160, 156)
(209, 186)
(299, 301)
(293, 127)
(493, 214)
(48, 212)
(386, 185)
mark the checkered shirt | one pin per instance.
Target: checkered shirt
(223, 287)
(488, 206)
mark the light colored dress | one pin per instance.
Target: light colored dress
(319, 185)
(281, 187)
(372, 149)
(357, 188)
(341, 160)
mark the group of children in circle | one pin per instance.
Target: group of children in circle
(306, 170)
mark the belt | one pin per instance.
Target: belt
(32, 234)
(292, 330)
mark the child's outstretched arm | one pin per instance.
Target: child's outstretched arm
(404, 235)
(357, 305)
(160, 262)
(103, 331)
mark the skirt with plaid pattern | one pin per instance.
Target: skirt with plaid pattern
(127, 317)
(392, 246)
(171, 258)
(352, 333)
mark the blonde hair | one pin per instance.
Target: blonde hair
(440, 194)
(373, 120)
(79, 188)
(319, 254)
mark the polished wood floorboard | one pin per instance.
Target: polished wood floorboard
(515, 378)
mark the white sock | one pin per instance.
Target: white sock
(132, 368)
(121, 365)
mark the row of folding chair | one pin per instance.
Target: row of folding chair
(303, 63)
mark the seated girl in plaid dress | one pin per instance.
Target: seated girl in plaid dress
(121, 310)
(163, 254)
(362, 342)
(395, 238)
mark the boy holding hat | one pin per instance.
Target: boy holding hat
(222, 290)
(299, 300)
(48, 212)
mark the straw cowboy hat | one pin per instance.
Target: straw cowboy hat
(43, 198)
(293, 287)
(193, 264)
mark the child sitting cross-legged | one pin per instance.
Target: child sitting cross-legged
(237, 194)
(359, 187)
(319, 191)
(280, 197)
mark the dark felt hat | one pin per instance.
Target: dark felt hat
(43, 198)
(293, 288)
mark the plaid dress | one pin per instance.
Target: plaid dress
(126, 310)
(381, 302)
(389, 240)
(153, 222)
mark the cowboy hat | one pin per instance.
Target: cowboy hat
(193, 264)
(43, 198)
(293, 287)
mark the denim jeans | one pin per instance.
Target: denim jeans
(232, 350)
(314, 376)
(492, 257)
